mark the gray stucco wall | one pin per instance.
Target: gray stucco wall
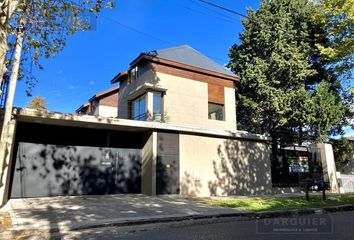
(211, 166)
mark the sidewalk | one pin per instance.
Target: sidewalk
(57, 214)
(39, 218)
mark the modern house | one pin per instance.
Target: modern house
(178, 85)
(175, 134)
(103, 104)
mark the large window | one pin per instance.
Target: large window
(216, 111)
(138, 108)
(157, 106)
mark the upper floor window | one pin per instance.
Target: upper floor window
(134, 73)
(138, 108)
(157, 106)
(216, 111)
(216, 102)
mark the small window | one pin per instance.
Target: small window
(134, 73)
(216, 111)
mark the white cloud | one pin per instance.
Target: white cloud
(91, 82)
(71, 87)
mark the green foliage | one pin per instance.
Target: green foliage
(337, 19)
(48, 23)
(285, 90)
(343, 152)
(280, 203)
(38, 103)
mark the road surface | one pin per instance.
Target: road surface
(229, 228)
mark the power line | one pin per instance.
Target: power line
(223, 8)
(151, 36)
(224, 17)
(138, 31)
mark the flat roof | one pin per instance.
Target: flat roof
(88, 121)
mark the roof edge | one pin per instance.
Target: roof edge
(147, 56)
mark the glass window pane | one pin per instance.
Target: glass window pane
(215, 111)
(142, 107)
(138, 108)
(157, 103)
(135, 111)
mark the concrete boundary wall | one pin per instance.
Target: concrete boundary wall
(211, 166)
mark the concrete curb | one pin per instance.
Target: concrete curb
(252, 215)
(177, 218)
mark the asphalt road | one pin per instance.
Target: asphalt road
(312, 227)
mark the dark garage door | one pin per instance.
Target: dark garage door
(167, 164)
(55, 160)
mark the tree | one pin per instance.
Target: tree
(281, 72)
(7, 7)
(342, 151)
(337, 19)
(36, 28)
(48, 23)
(38, 103)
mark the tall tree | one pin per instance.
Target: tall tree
(280, 70)
(342, 151)
(337, 19)
(36, 28)
(38, 103)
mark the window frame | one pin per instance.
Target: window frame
(131, 107)
(223, 111)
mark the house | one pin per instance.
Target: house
(175, 133)
(178, 85)
(104, 104)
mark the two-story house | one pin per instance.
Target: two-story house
(178, 85)
(175, 133)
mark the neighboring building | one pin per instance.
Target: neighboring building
(178, 85)
(104, 104)
(349, 168)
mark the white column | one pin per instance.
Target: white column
(328, 164)
(149, 105)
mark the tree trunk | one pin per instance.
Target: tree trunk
(3, 51)
(7, 8)
(4, 139)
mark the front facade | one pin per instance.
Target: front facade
(180, 86)
(175, 134)
(83, 155)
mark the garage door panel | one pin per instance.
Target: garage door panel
(49, 170)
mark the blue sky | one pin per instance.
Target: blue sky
(91, 59)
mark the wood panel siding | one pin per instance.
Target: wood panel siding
(110, 100)
(178, 72)
(216, 94)
(144, 58)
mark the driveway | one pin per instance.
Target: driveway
(77, 212)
